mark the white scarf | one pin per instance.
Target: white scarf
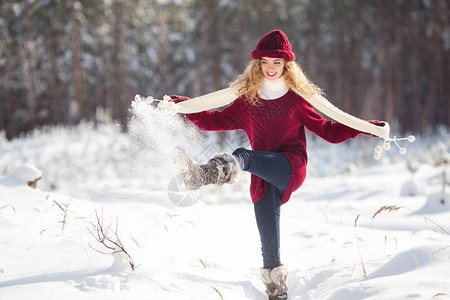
(273, 90)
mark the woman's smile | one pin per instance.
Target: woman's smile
(272, 68)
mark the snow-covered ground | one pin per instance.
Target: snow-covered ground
(332, 246)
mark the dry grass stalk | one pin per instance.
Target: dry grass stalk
(416, 261)
(64, 209)
(113, 244)
(359, 250)
(395, 208)
(217, 291)
(202, 262)
(436, 224)
(389, 209)
(59, 205)
(386, 208)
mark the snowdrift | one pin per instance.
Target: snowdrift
(211, 250)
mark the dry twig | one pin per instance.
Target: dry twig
(113, 244)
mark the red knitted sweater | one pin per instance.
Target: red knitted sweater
(277, 126)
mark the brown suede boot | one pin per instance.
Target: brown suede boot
(222, 168)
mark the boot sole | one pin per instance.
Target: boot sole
(190, 172)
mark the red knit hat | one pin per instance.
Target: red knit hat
(274, 44)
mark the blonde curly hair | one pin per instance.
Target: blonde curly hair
(252, 80)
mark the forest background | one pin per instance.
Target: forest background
(64, 61)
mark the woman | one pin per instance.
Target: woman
(269, 105)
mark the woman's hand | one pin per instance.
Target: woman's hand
(178, 99)
(377, 123)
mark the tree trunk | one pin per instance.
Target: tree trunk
(215, 38)
(8, 104)
(77, 69)
(389, 63)
(445, 24)
(204, 60)
(30, 62)
(163, 51)
(313, 38)
(101, 91)
(243, 46)
(121, 86)
(437, 83)
(358, 75)
(56, 110)
(342, 96)
(414, 65)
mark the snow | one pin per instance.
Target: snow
(412, 188)
(23, 174)
(211, 250)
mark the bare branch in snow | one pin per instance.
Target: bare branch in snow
(109, 239)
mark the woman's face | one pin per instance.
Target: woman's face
(272, 68)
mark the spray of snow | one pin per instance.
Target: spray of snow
(154, 131)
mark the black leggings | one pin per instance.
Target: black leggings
(276, 169)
